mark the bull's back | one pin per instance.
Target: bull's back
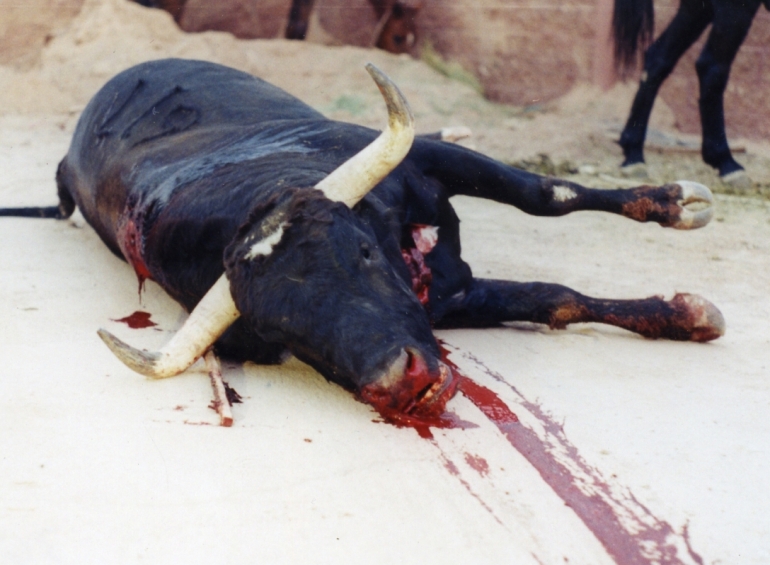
(153, 114)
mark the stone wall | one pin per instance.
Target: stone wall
(246, 19)
(521, 51)
(25, 27)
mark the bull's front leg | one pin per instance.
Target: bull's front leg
(686, 317)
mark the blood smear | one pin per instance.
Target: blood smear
(629, 532)
(137, 320)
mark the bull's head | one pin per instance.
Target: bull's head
(306, 271)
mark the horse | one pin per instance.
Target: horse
(632, 28)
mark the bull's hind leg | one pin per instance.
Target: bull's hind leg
(659, 60)
(687, 317)
(681, 205)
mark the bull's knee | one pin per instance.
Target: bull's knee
(557, 306)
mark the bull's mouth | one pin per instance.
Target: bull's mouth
(409, 393)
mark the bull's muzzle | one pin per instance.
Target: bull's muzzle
(408, 388)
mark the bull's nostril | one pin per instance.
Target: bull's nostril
(410, 361)
(415, 368)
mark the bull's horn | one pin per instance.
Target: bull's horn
(211, 317)
(352, 180)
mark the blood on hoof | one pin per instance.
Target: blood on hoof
(681, 205)
(686, 317)
(695, 319)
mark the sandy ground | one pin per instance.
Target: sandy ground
(668, 441)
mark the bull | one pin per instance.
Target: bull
(283, 232)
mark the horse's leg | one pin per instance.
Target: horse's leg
(659, 60)
(687, 317)
(732, 21)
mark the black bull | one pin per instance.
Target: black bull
(189, 170)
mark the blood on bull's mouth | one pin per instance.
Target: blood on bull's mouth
(433, 396)
(410, 394)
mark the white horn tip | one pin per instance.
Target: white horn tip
(143, 362)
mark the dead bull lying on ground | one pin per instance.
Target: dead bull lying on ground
(283, 231)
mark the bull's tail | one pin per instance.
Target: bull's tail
(61, 212)
(32, 212)
(633, 23)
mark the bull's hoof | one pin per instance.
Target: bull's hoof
(698, 318)
(635, 171)
(697, 206)
(738, 181)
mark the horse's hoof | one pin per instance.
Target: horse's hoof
(738, 181)
(635, 171)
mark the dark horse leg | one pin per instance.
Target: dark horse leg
(732, 21)
(299, 18)
(659, 60)
(687, 317)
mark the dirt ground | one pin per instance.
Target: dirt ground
(100, 465)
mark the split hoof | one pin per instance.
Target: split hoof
(697, 206)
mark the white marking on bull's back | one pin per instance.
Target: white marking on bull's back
(425, 238)
(265, 245)
(563, 193)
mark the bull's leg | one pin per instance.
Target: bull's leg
(659, 60)
(686, 317)
(681, 205)
(732, 21)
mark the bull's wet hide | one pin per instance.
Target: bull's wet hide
(202, 177)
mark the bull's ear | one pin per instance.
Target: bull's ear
(352, 180)
(211, 317)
